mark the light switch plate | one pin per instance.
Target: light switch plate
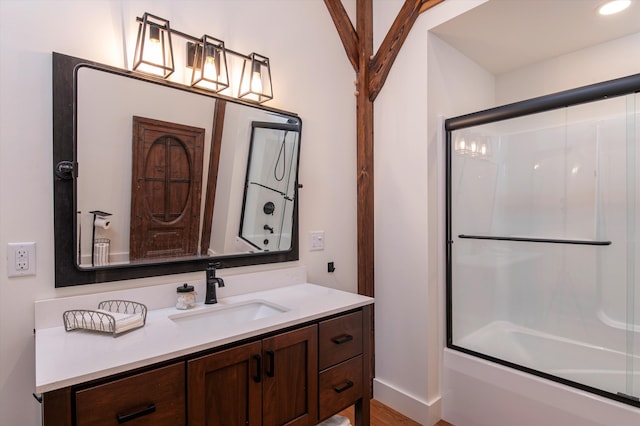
(316, 240)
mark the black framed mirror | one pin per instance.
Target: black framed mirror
(150, 175)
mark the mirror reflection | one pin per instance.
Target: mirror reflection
(170, 174)
(267, 210)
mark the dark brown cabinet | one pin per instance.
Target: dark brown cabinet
(225, 387)
(291, 378)
(153, 398)
(298, 377)
(271, 382)
(341, 377)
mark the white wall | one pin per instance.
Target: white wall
(401, 270)
(311, 76)
(606, 61)
(408, 303)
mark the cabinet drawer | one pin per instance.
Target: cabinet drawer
(152, 398)
(340, 386)
(340, 339)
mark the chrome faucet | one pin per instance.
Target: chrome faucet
(210, 297)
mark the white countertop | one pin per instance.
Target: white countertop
(67, 358)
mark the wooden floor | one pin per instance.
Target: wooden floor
(381, 415)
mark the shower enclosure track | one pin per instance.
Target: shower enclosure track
(536, 240)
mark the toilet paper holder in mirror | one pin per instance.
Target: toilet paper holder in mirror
(100, 220)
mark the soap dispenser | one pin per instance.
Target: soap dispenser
(186, 297)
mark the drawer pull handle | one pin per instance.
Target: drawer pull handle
(343, 338)
(343, 388)
(258, 377)
(272, 364)
(122, 418)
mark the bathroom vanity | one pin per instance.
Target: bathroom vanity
(274, 350)
(294, 353)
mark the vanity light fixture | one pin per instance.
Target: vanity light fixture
(206, 56)
(154, 52)
(209, 64)
(255, 81)
(613, 7)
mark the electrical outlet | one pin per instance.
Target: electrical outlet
(316, 242)
(21, 259)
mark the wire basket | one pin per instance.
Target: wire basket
(112, 316)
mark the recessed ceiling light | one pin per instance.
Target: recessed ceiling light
(614, 6)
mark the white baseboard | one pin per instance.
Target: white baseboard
(424, 412)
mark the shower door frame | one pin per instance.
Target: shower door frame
(594, 92)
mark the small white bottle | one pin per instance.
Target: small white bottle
(186, 297)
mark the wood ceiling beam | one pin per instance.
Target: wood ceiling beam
(383, 60)
(428, 4)
(364, 141)
(345, 30)
(372, 72)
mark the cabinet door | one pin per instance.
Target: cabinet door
(225, 388)
(291, 378)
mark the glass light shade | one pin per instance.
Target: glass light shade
(460, 145)
(484, 146)
(154, 52)
(474, 147)
(255, 81)
(210, 65)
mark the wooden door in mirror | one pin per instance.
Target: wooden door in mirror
(166, 188)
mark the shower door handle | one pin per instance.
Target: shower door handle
(536, 240)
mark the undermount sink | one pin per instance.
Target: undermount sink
(226, 315)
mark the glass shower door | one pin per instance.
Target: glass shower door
(632, 385)
(542, 253)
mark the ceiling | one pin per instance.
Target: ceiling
(504, 35)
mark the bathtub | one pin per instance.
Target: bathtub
(478, 392)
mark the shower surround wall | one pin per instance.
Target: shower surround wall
(570, 311)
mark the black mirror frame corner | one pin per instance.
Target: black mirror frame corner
(67, 273)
